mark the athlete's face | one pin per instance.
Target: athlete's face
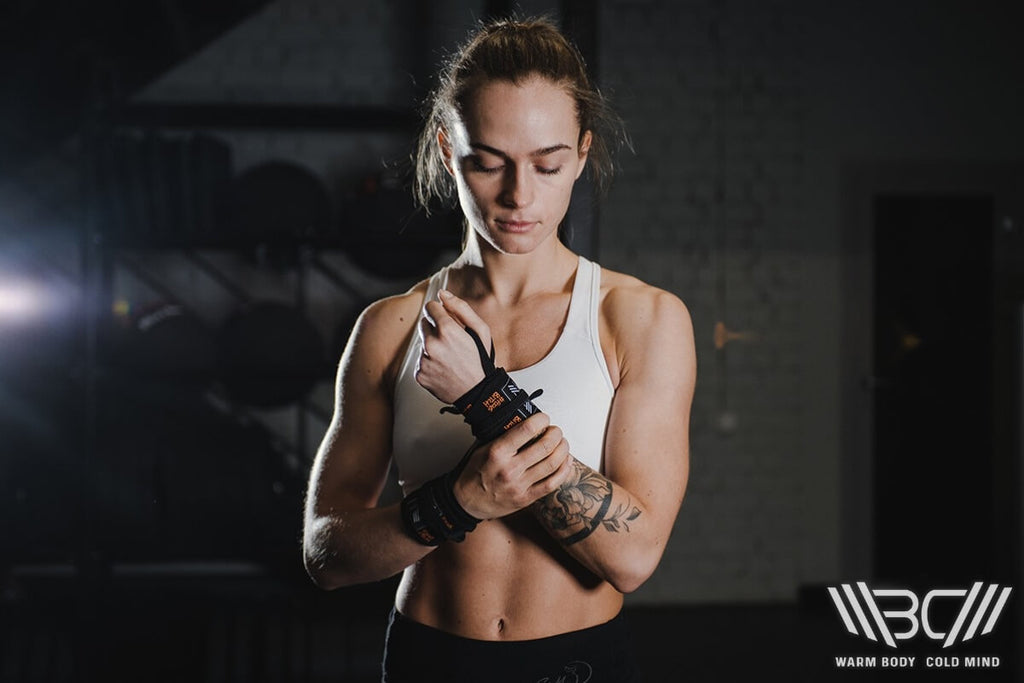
(515, 155)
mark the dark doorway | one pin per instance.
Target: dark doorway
(933, 505)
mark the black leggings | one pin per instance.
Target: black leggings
(415, 653)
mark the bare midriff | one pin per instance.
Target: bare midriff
(508, 580)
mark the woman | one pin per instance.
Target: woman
(516, 546)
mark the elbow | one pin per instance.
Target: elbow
(329, 571)
(632, 575)
(627, 582)
(318, 572)
(331, 578)
(321, 559)
(321, 581)
(635, 567)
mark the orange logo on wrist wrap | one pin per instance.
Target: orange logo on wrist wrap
(493, 401)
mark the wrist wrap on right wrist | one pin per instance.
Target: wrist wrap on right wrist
(432, 514)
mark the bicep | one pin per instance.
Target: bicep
(647, 438)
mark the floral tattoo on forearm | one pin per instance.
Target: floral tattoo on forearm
(583, 504)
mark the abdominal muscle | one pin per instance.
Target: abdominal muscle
(509, 580)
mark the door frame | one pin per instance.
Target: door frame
(861, 182)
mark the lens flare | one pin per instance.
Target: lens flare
(22, 302)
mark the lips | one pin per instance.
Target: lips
(514, 225)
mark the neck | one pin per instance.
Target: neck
(510, 278)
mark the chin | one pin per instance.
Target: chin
(516, 242)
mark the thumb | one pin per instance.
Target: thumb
(462, 312)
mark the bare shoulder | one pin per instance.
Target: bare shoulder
(392, 313)
(383, 331)
(628, 303)
(637, 319)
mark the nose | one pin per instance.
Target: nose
(518, 188)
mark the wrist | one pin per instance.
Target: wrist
(431, 514)
(494, 405)
(469, 388)
(460, 493)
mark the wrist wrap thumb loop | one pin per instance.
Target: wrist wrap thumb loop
(486, 359)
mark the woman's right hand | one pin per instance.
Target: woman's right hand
(528, 462)
(450, 363)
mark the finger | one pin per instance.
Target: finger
(422, 374)
(553, 481)
(540, 448)
(550, 463)
(522, 434)
(464, 314)
(439, 314)
(446, 326)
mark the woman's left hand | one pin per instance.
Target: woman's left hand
(450, 363)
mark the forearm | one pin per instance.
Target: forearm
(358, 546)
(603, 526)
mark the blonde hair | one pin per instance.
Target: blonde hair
(513, 50)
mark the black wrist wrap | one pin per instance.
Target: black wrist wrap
(496, 403)
(431, 513)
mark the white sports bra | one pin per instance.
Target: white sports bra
(574, 376)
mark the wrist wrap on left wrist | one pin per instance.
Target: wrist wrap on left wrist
(496, 403)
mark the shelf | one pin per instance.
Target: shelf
(262, 116)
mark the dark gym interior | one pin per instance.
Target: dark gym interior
(197, 199)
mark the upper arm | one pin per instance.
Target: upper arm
(351, 465)
(647, 438)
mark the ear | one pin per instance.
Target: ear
(584, 150)
(445, 145)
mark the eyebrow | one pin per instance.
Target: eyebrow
(536, 153)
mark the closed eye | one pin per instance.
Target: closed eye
(479, 166)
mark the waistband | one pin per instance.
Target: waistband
(417, 652)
